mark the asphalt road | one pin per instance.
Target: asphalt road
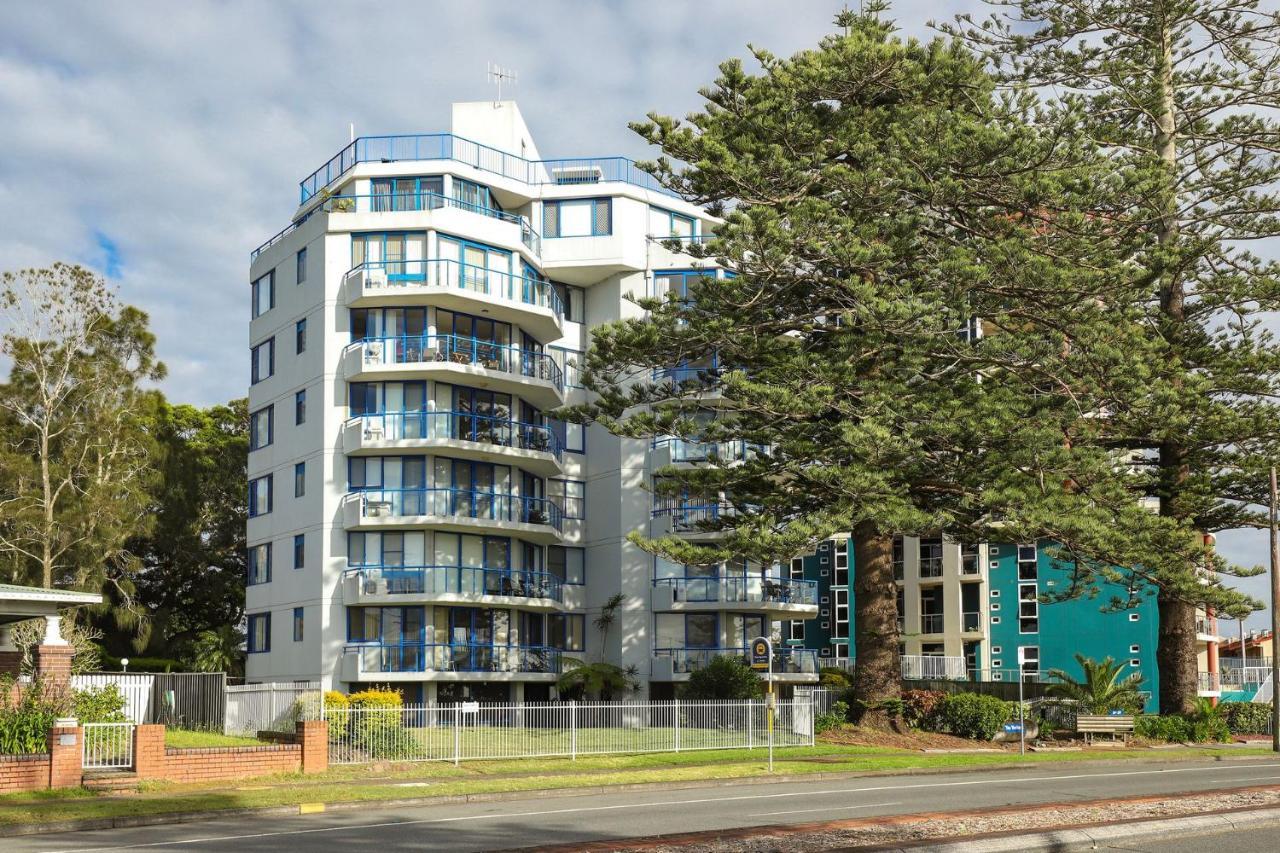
(575, 819)
(1258, 840)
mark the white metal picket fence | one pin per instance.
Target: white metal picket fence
(107, 746)
(473, 730)
(268, 707)
(136, 689)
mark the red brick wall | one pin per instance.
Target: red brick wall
(313, 735)
(53, 666)
(65, 758)
(23, 773)
(241, 762)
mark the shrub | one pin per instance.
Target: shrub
(376, 725)
(335, 700)
(1172, 728)
(27, 714)
(1247, 717)
(920, 707)
(972, 715)
(832, 719)
(1208, 723)
(98, 704)
(376, 698)
(835, 678)
(723, 678)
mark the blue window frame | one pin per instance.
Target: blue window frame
(371, 323)
(565, 631)
(260, 496)
(262, 427)
(300, 551)
(299, 479)
(390, 626)
(298, 618)
(300, 407)
(264, 294)
(481, 267)
(259, 564)
(363, 398)
(701, 631)
(402, 255)
(259, 635)
(572, 301)
(410, 193)
(570, 495)
(301, 265)
(567, 563)
(577, 217)
(665, 224)
(262, 361)
(473, 195)
(300, 337)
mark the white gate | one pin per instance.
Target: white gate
(108, 746)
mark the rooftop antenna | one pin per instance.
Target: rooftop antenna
(497, 74)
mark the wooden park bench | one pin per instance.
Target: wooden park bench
(1094, 724)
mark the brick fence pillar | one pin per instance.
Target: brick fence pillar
(148, 751)
(314, 737)
(65, 754)
(53, 658)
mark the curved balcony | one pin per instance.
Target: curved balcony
(530, 303)
(789, 664)
(529, 374)
(534, 447)
(537, 520)
(691, 521)
(426, 201)
(778, 597)
(670, 450)
(449, 662)
(451, 584)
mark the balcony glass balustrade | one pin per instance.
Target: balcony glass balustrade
(691, 517)
(462, 426)
(447, 272)
(739, 589)
(458, 503)
(455, 580)
(453, 349)
(931, 623)
(786, 660)
(684, 450)
(456, 657)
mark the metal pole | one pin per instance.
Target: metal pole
(457, 734)
(769, 711)
(1275, 616)
(1022, 719)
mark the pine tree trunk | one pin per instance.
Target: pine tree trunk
(877, 675)
(1176, 657)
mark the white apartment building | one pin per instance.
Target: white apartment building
(416, 517)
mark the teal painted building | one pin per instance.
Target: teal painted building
(1001, 624)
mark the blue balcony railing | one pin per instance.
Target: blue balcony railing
(694, 517)
(458, 503)
(456, 657)
(445, 272)
(462, 426)
(739, 589)
(447, 146)
(418, 201)
(786, 660)
(455, 580)
(419, 349)
(684, 450)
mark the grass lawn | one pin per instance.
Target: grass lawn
(187, 739)
(354, 783)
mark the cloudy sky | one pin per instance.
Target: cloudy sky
(159, 142)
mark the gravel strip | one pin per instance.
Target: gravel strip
(893, 830)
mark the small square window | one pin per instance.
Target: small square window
(1135, 663)
(995, 593)
(994, 607)
(824, 612)
(822, 573)
(995, 650)
(1133, 650)
(1133, 617)
(995, 564)
(822, 561)
(997, 663)
(824, 624)
(996, 676)
(299, 551)
(299, 479)
(995, 620)
(300, 336)
(824, 600)
(300, 407)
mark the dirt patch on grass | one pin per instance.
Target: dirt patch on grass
(905, 739)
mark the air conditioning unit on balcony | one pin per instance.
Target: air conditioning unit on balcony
(375, 586)
(583, 173)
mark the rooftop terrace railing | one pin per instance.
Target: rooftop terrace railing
(447, 146)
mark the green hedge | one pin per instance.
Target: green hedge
(973, 715)
(1247, 717)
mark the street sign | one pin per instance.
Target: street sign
(471, 707)
(1115, 712)
(1012, 728)
(760, 653)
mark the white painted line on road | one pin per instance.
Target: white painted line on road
(829, 809)
(1275, 779)
(647, 805)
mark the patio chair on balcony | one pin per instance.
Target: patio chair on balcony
(372, 352)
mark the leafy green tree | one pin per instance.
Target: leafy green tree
(598, 678)
(1101, 689)
(723, 677)
(878, 196)
(1184, 94)
(193, 559)
(218, 650)
(74, 450)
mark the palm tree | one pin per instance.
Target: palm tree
(218, 650)
(598, 678)
(1101, 690)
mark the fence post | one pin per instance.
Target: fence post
(573, 730)
(675, 720)
(457, 733)
(750, 720)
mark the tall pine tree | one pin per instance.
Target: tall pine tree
(1185, 92)
(879, 196)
